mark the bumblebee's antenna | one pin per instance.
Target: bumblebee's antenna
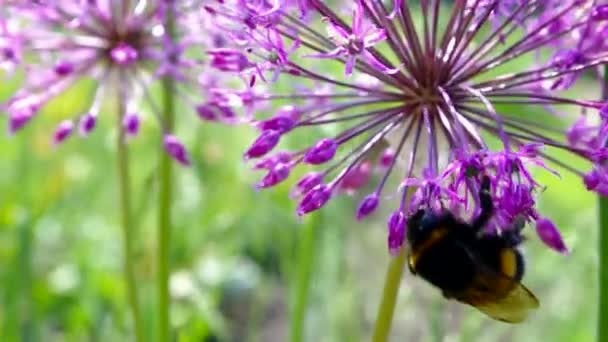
(487, 206)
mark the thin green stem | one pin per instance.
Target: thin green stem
(306, 252)
(20, 318)
(164, 201)
(602, 318)
(25, 272)
(124, 180)
(384, 319)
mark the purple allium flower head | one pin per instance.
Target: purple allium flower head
(437, 96)
(122, 46)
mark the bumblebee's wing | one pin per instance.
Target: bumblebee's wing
(498, 295)
(512, 308)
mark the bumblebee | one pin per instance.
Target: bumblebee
(473, 267)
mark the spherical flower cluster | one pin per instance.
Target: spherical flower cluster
(448, 88)
(123, 46)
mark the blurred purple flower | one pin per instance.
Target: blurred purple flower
(123, 46)
(434, 92)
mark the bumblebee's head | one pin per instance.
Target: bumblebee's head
(421, 224)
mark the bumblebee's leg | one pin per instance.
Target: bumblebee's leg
(487, 206)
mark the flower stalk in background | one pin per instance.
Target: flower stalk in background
(123, 47)
(452, 91)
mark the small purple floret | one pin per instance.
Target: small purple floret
(597, 180)
(387, 157)
(176, 149)
(63, 131)
(19, 118)
(263, 144)
(271, 161)
(131, 123)
(396, 231)
(314, 199)
(226, 59)
(549, 234)
(307, 182)
(274, 176)
(323, 151)
(64, 68)
(357, 177)
(367, 206)
(281, 123)
(87, 123)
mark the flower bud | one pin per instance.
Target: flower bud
(18, 118)
(307, 182)
(87, 123)
(274, 176)
(597, 180)
(549, 234)
(226, 59)
(290, 111)
(396, 231)
(367, 206)
(63, 131)
(322, 151)
(130, 123)
(357, 177)
(314, 199)
(271, 161)
(63, 68)
(206, 112)
(263, 144)
(279, 123)
(387, 157)
(176, 149)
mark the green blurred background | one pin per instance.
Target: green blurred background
(245, 268)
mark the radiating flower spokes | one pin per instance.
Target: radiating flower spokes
(124, 47)
(459, 80)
